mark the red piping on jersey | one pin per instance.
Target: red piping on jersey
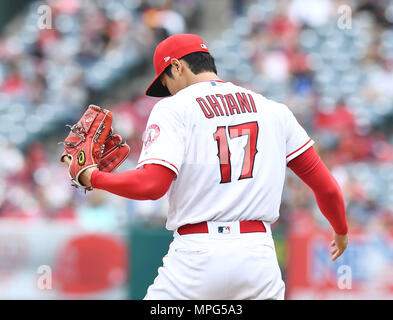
(159, 160)
(298, 148)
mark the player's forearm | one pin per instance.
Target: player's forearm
(148, 183)
(332, 205)
(310, 168)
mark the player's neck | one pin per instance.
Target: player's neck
(202, 77)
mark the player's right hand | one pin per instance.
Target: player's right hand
(338, 245)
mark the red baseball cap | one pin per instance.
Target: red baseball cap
(176, 46)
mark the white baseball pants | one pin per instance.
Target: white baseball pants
(219, 266)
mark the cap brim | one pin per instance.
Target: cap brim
(156, 89)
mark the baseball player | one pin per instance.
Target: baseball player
(221, 150)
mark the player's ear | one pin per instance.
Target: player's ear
(176, 66)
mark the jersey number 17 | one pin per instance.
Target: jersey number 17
(250, 150)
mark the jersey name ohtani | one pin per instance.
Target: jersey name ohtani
(228, 104)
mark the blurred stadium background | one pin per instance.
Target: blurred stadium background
(58, 243)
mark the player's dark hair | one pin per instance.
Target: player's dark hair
(198, 62)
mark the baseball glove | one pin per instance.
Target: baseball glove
(116, 150)
(85, 143)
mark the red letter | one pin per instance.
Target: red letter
(223, 103)
(232, 104)
(215, 105)
(243, 102)
(205, 108)
(252, 103)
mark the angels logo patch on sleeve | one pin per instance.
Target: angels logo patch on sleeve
(163, 139)
(150, 135)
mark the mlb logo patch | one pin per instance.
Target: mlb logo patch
(224, 229)
(203, 46)
(167, 58)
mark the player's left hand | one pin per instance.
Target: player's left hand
(338, 245)
(85, 176)
(115, 151)
(84, 144)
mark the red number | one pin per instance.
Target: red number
(223, 154)
(250, 150)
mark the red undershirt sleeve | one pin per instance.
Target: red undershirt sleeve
(309, 167)
(149, 182)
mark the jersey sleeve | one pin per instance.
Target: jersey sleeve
(297, 139)
(163, 139)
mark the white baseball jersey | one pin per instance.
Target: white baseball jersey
(229, 148)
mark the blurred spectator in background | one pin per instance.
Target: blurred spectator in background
(339, 84)
(48, 76)
(238, 7)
